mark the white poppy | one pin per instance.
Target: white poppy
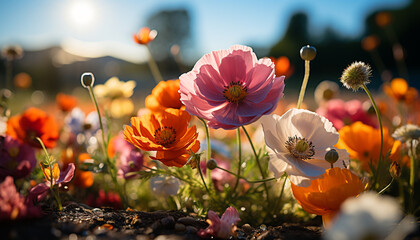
(370, 216)
(298, 142)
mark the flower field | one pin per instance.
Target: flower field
(224, 149)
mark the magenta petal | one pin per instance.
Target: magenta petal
(210, 84)
(231, 216)
(259, 76)
(39, 192)
(246, 54)
(67, 175)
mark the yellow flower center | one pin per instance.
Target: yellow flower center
(235, 92)
(165, 136)
(300, 148)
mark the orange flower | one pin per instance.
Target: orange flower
(383, 19)
(82, 178)
(363, 143)
(31, 124)
(66, 102)
(400, 91)
(370, 42)
(47, 172)
(167, 133)
(327, 193)
(144, 36)
(165, 95)
(282, 66)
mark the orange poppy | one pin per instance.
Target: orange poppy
(370, 43)
(282, 66)
(167, 133)
(165, 95)
(363, 143)
(326, 194)
(383, 19)
(31, 124)
(82, 178)
(145, 35)
(399, 90)
(66, 102)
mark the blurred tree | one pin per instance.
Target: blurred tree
(173, 27)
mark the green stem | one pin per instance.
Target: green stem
(387, 186)
(111, 167)
(153, 67)
(208, 148)
(378, 115)
(238, 176)
(57, 199)
(248, 181)
(304, 83)
(202, 179)
(257, 159)
(9, 71)
(412, 175)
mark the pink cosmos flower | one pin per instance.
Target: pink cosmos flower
(221, 227)
(342, 113)
(129, 158)
(231, 88)
(40, 191)
(13, 205)
(16, 159)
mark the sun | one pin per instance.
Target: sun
(81, 13)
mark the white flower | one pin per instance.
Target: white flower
(114, 88)
(165, 185)
(298, 141)
(370, 216)
(3, 126)
(407, 133)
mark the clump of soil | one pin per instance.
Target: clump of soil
(82, 222)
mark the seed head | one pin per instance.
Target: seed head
(87, 79)
(331, 156)
(355, 75)
(308, 53)
(211, 164)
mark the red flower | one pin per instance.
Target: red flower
(31, 124)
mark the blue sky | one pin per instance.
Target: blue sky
(217, 24)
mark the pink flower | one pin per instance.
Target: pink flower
(221, 227)
(40, 191)
(13, 205)
(16, 159)
(231, 88)
(342, 113)
(129, 158)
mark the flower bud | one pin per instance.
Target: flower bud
(356, 75)
(211, 164)
(87, 79)
(331, 156)
(395, 170)
(308, 53)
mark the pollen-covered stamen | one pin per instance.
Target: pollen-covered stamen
(300, 148)
(165, 136)
(235, 92)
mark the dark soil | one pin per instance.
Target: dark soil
(83, 222)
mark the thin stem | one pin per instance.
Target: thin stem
(110, 165)
(248, 181)
(304, 83)
(412, 175)
(257, 159)
(57, 199)
(104, 143)
(9, 71)
(202, 178)
(387, 186)
(378, 115)
(208, 148)
(153, 67)
(238, 139)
